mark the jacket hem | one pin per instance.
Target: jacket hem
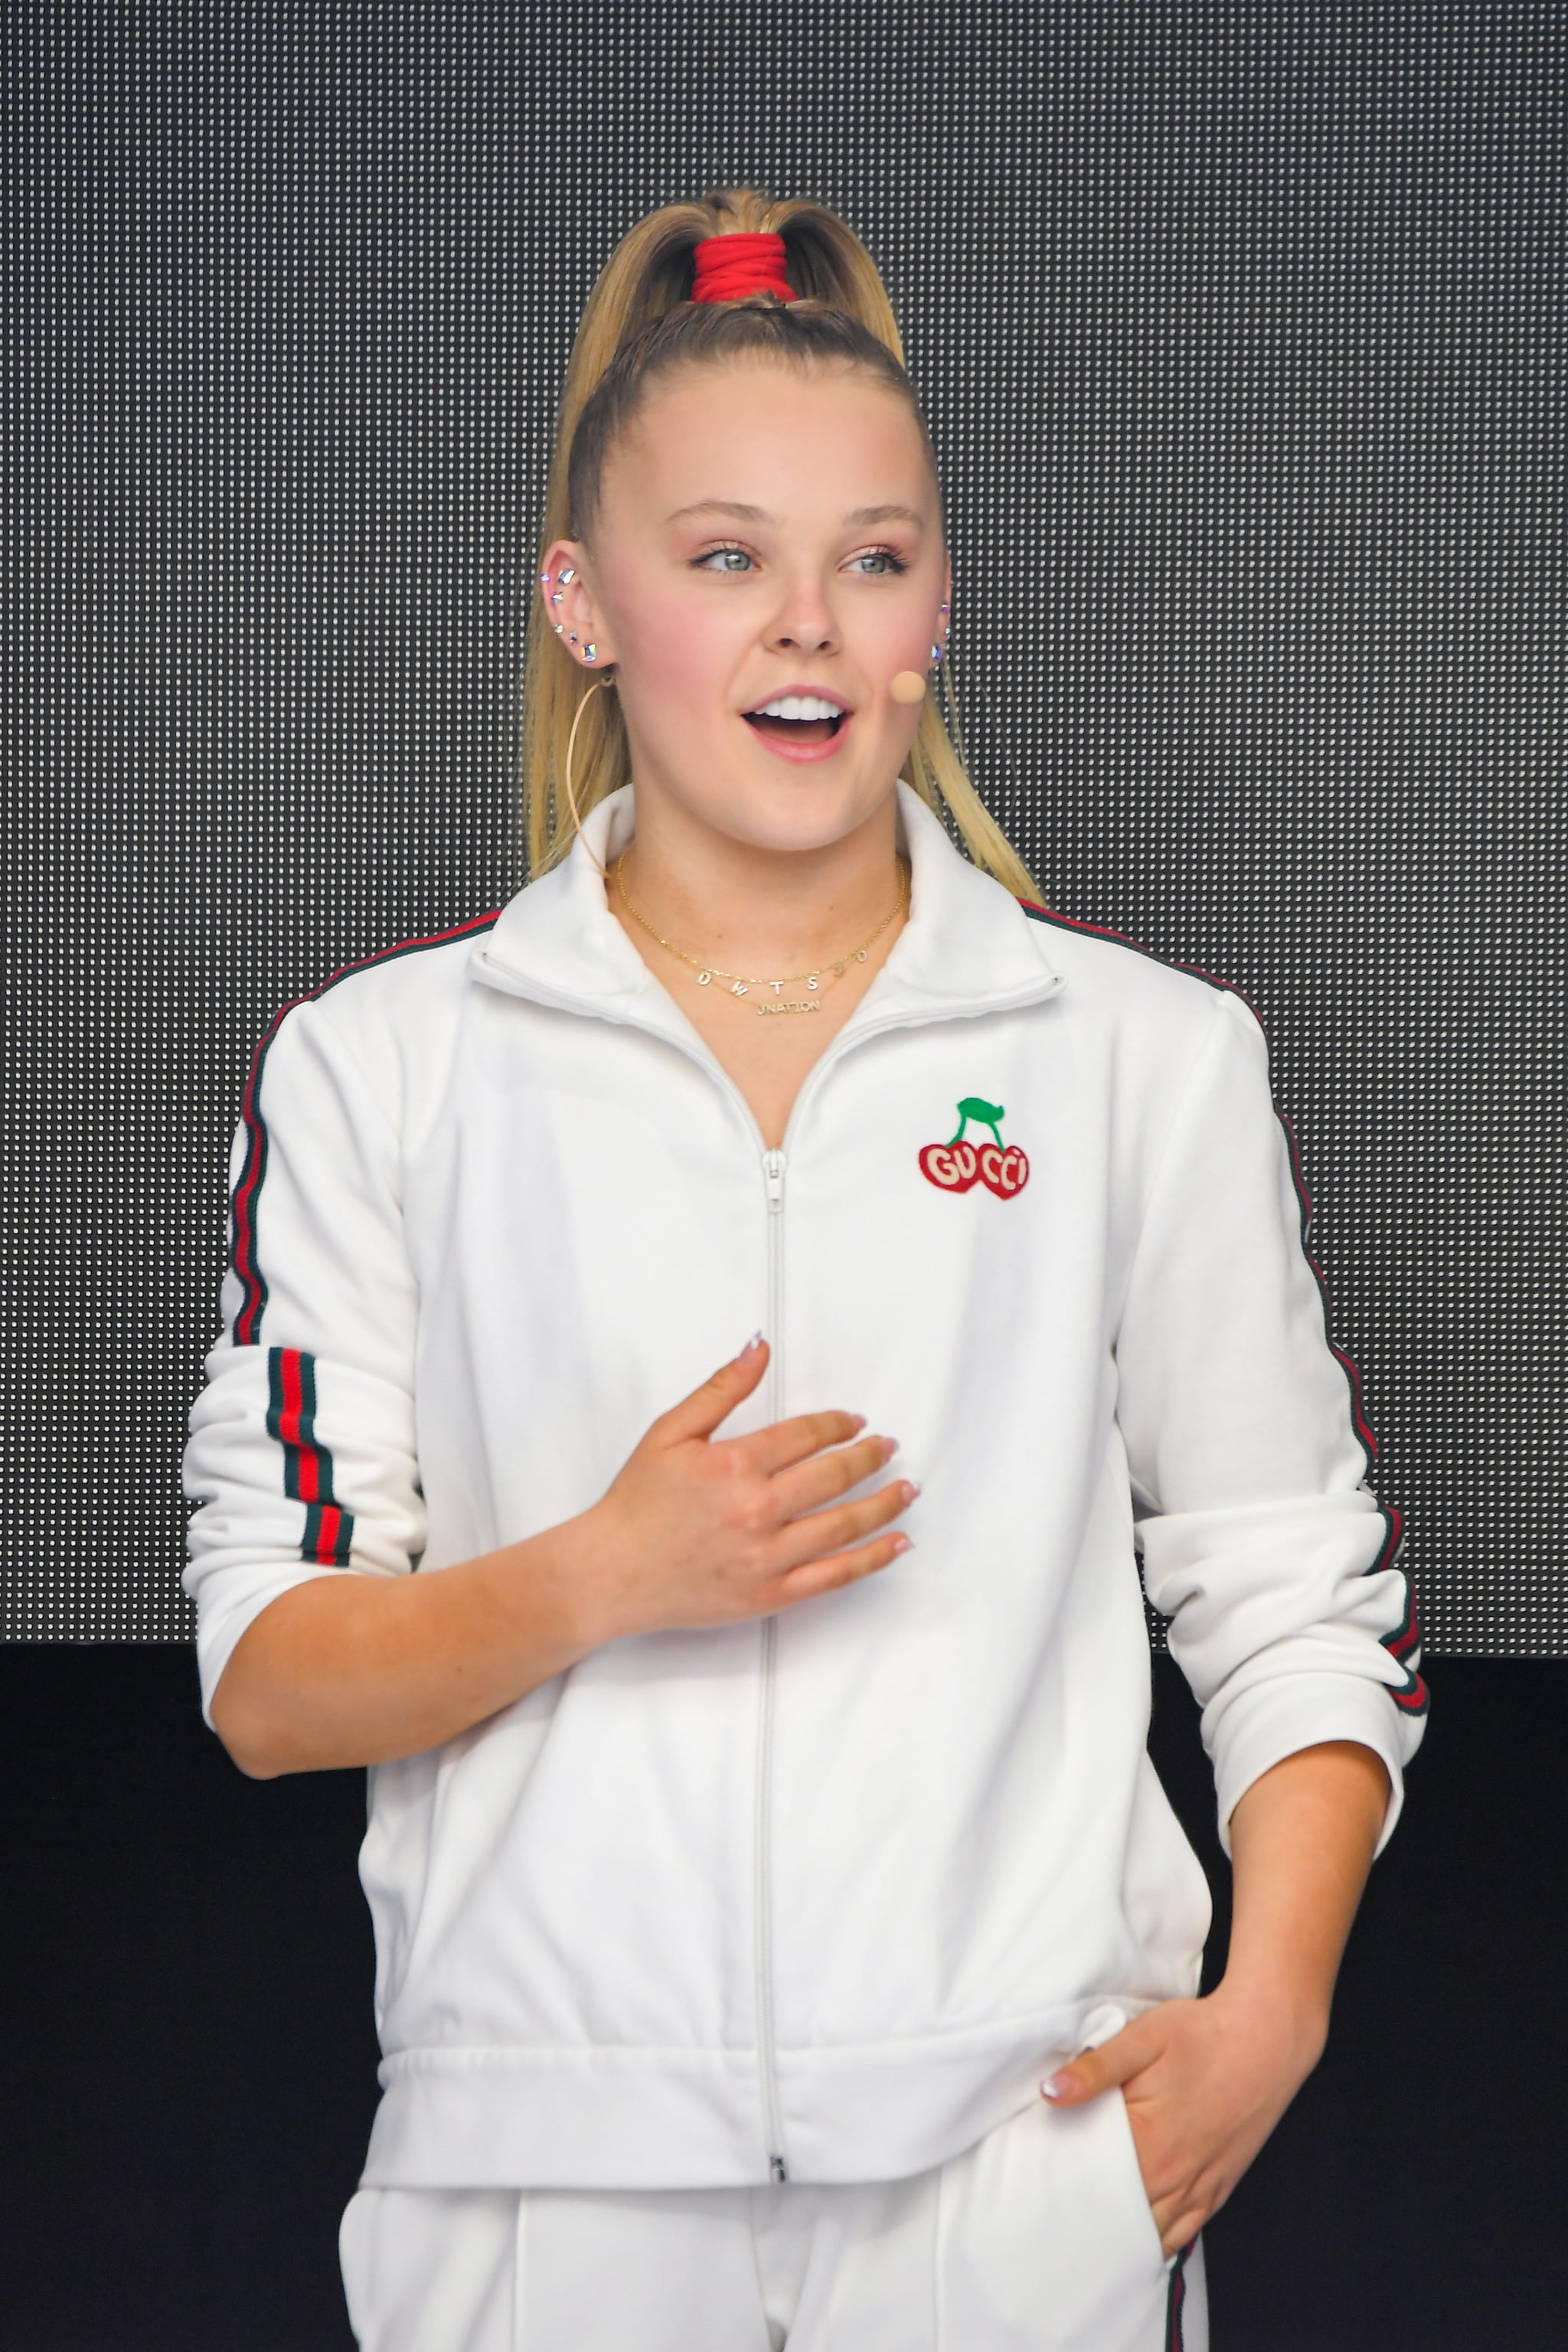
(627, 2119)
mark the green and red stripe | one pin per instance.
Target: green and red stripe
(1176, 2300)
(253, 1170)
(1124, 940)
(1411, 1697)
(307, 1462)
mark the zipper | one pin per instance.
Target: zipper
(773, 1165)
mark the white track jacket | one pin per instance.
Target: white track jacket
(818, 1896)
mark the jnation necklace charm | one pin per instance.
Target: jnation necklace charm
(742, 983)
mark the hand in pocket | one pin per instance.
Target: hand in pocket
(1205, 2082)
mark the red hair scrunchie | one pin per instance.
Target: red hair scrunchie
(743, 262)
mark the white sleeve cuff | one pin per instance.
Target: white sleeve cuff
(245, 1594)
(1261, 1726)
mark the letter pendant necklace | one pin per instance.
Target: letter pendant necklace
(742, 983)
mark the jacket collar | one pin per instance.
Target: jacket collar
(967, 945)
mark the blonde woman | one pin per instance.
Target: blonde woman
(782, 1934)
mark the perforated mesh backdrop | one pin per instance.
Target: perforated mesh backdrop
(1236, 326)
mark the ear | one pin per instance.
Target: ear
(568, 604)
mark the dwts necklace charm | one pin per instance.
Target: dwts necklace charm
(742, 983)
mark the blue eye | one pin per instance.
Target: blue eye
(888, 558)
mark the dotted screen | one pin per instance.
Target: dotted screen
(1239, 330)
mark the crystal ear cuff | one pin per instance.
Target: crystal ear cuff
(590, 651)
(936, 649)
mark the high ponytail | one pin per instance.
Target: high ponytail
(639, 321)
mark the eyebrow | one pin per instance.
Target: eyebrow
(739, 512)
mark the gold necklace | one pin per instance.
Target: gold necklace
(740, 982)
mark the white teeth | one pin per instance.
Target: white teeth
(797, 706)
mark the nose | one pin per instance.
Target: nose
(803, 619)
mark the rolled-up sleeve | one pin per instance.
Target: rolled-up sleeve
(1263, 1539)
(302, 1458)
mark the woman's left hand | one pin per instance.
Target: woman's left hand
(1205, 2082)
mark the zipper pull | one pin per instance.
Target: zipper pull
(776, 2169)
(772, 1176)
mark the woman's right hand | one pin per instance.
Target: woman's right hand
(358, 1669)
(702, 1530)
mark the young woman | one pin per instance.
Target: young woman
(782, 1934)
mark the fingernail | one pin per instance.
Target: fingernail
(903, 1543)
(1058, 2085)
(911, 1488)
(752, 1344)
(890, 1447)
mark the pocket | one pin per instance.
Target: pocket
(1047, 2240)
(356, 2238)
(426, 2267)
(1134, 2172)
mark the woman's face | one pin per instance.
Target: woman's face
(763, 530)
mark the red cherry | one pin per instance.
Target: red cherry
(950, 1167)
(1004, 1168)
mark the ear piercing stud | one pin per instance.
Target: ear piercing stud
(563, 579)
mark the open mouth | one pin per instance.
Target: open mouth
(797, 718)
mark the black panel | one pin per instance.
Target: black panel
(1240, 330)
(187, 2075)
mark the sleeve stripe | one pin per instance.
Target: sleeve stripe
(253, 1170)
(1411, 1697)
(1352, 1377)
(329, 1535)
(1123, 939)
(291, 1420)
(306, 1464)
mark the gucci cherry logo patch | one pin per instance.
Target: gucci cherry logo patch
(954, 1166)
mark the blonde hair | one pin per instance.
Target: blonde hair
(640, 323)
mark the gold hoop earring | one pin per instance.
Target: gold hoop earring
(570, 796)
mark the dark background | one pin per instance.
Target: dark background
(1239, 327)
(188, 2070)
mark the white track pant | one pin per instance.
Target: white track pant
(1037, 2239)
